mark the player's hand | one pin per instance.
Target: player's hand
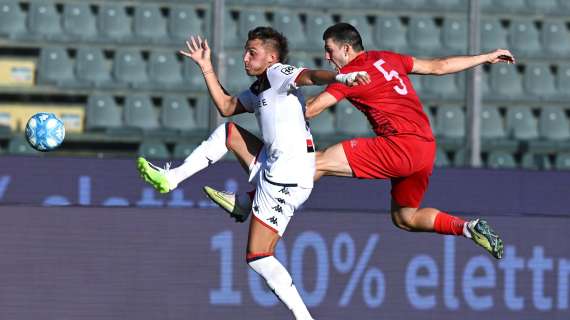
(501, 55)
(198, 50)
(353, 78)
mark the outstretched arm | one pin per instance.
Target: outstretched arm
(318, 104)
(321, 77)
(199, 52)
(441, 66)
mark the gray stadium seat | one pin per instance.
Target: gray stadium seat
(431, 119)
(360, 22)
(164, 70)
(454, 36)
(102, 113)
(79, 21)
(492, 124)
(413, 4)
(542, 6)
(18, 145)
(390, 34)
(55, 67)
(236, 78)
(450, 121)
(424, 36)
(500, 160)
(323, 124)
(302, 60)
(44, 20)
(493, 35)
(247, 121)
(562, 161)
(449, 5)
(231, 38)
(153, 150)
(350, 121)
(113, 22)
(193, 76)
(535, 161)
(506, 82)
(442, 87)
(201, 105)
(553, 124)
(538, 81)
(250, 19)
(291, 21)
(12, 19)
(183, 21)
(416, 81)
(91, 68)
(176, 114)
(511, 6)
(524, 38)
(563, 80)
(316, 24)
(555, 38)
(149, 24)
(129, 68)
(139, 113)
(441, 158)
(521, 123)
(183, 150)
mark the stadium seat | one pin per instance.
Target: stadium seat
(350, 121)
(19, 146)
(201, 105)
(193, 76)
(236, 78)
(44, 20)
(562, 161)
(524, 38)
(424, 36)
(153, 150)
(79, 21)
(460, 158)
(250, 19)
(139, 113)
(493, 133)
(506, 82)
(323, 124)
(413, 4)
(149, 23)
(535, 161)
(441, 158)
(443, 87)
(55, 67)
(500, 160)
(493, 35)
(164, 70)
(129, 68)
(416, 81)
(538, 81)
(113, 22)
(231, 39)
(431, 119)
(542, 6)
(291, 21)
(450, 122)
(555, 38)
(521, 123)
(12, 19)
(454, 36)
(248, 122)
(91, 68)
(102, 113)
(563, 7)
(360, 22)
(553, 124)
(183, 149)
(183, 21)
(563, 81)
(449, 5)
(302, 60)
(390, 34)
(316, 24)
(176, 114)
(511, 6)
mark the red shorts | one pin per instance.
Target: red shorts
(406, 160)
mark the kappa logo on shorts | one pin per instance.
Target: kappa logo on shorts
(284, 190)
(272, 220)
(280, 200)
(278, 208)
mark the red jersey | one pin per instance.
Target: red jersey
(389, 102)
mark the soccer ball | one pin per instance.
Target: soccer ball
(45, 131)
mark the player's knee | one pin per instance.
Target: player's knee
(230, 129)
(403, 220)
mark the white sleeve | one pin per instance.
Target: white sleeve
(282, 76)
(246, 98)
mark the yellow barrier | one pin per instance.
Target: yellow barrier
(17, 72)
(16, 115)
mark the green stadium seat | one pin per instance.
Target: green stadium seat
(92, 68)
(441, 87)
(55, 67)
(493, 35)
(414, 4)
(79, 21)
(231, 38)
(19, 146)
(534, 161)
(113, 22)
(553, 124)
(562, 161)
(139, 113)
(102, 113)
(493, 133)
(506, 82)
(176, 114)
(291, 21)
(390, 34)
(164, 71)
(149, 24)
(450, 126)
(538, 81)
(424, 36)
(543, 6)
(511, 6)
(153, 150)
(501, 160)
(416, 81)
(316, 24)
(12, 19)
(524, 38)
(350, 121)
(360, 22)
(183, 21)
(43, 20)
(454, 36)
(521, 123)
(129, 68)
(449, 5)
(563, 81)
(555, 38)
(250, 19)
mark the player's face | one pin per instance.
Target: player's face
(257, 57)
(336, 54)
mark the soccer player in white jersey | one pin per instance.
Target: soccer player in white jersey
(282, 164)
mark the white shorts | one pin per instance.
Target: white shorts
(274, 203)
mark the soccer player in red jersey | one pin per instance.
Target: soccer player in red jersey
(404, 147)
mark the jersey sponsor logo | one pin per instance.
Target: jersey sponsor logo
(287, 70)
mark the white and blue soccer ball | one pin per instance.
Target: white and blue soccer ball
(45, 131)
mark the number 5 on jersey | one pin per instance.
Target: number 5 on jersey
(402, 90)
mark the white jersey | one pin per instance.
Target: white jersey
(280, 111)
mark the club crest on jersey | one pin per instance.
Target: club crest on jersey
(287, 70)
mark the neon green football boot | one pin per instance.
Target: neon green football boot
(154, 175)
(228, 202)
(483, 235)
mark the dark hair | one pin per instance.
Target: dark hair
(344, 33)
(273, 37)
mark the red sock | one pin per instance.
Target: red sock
(448, 224)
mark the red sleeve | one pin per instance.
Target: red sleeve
(337, 90)
(405, 60)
